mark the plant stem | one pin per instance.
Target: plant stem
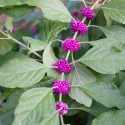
(62, 121)
(95, 4)
(67, 56)
(4, 38)
(84, 3)
(104, 2)
(16, 41)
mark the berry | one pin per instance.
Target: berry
(63, 66)
(62, 107)
(14, 30)
(33, 30)
(88, 13)
(75, 14)
(71, 44)
(23, 26)
(63, 87)
(78, 26)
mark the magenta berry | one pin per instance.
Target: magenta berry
(88, 13)
(71, 44)
(23, 25)
(62, 107)
(78, 26)
(33, 30)
(14, 30)
(75, 14)
(62, 87)
(63, 66)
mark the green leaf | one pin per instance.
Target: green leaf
(36, 106)
(49, 59)
(9, 24)
(116, 10)
(110, 118)
(99, 20)
(15, 11)
(96, 109)
(114, 32)
(71, 104)
(18, 70)
(105, 60)
(36, 45)
(5, 45)
(105, 94)
(52, 9)
(81, 76)
(105, 78)
(7, 111)
(50, 29)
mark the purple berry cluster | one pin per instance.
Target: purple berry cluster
(62, 107)
(61, 87)
(78, 26)
(63, 66)
(71, 44)
(88, 13)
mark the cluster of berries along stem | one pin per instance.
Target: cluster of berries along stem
(62, 86)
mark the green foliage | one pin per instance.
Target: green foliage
(9, 24)
(110, 118)
(7, 111)
(50, 29)
(106, 94)
(35, 45)
(18, 70)
(116, 10)
(49, 59)
(15, 11)
(53, 10)
(36, 107)
(27, 58)
(5, 45)
(81, 76)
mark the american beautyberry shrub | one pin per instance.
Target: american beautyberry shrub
(53, 74)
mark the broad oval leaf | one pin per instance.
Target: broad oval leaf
(51, 9)
(18, 70)
(36, 106)
(105, 94)
(50, 29)
(110, 118)
(36, 45)
(105, 60)
(5, 45)
(80, 76)
(116, 10)
(9, 24)
(7, 111)
(49, 59)
(95, 109)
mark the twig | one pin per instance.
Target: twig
(62, 121)
(16, 41)
(95, 4)
(104, 2)
(84, 3)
